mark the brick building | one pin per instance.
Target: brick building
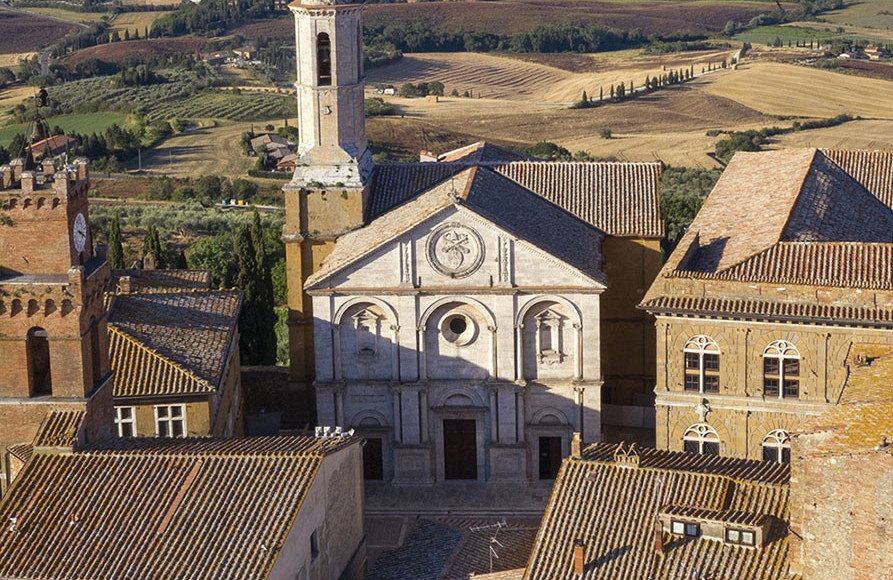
(53, 341)
(787, 265)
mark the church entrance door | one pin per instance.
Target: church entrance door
(550, 457)
(373, 459)
(460, 449)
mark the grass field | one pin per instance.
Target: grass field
(810, 31)
(69, 15)
(211, 150)
(786, 89)
(85, 123)
(865, 13)
(135, 21)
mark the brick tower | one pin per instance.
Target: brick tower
(53, 342)
(326, 196)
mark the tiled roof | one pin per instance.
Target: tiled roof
(864, 415)
(873, 169)
(792, 217)
(59, 429)
(841, 264)
(140, 371)
(492, 196)
(725, 516)
(191, 509)
(147, 281)
(621, 199)
(613, 509)
(739, 469)
(771, 310)
(21, 451)
(192, 329)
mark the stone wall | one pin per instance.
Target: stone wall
(740, 413)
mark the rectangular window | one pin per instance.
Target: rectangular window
(785, 454)
(740, 537)
(692, 530)
(692, 447)
(691, 361)
(791, 388)
(677, 527)
(692, 372)
(692, 382)
(711, 362)
(770, 453)
(314, 545)
(711, 383)
(711, 373)
(170, 420)
(125, 419)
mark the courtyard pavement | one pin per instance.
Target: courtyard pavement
(446, 531)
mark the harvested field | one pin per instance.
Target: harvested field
(120, 52)
(135, 21)
(505, 77)
(867, 68)
(853, 135)
(22, 32)
(404, 139)
(12, 59)
(786, 89)
(517, 16)
(204, 151)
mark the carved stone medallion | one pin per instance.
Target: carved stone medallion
(455, 250)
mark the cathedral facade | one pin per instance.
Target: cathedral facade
(453, 310)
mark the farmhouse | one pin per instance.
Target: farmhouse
(418, 306)
(785, 268)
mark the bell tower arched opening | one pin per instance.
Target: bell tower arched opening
(39, 372)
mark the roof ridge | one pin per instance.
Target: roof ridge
(113, 327)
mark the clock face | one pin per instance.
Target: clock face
(79, 232)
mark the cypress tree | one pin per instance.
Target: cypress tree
(247, 281)
(116, 247)
(584, 98)
(601, 93)
(152, 245)
(612, 91)
(265, 313)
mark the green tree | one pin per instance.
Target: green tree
(152, 246)
(248, 282)
(264, 305)
(216, 255)
(683, 191)
(116, 247)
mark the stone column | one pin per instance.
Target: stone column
(336, 352)
(578, 352)
(494, 401)
(519, 352)
(398, 419)
(423, 363)
(424, 413)
(493, 354)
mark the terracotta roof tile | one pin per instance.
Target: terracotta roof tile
(198, 509)
(146, 281)
(140, 371)
(621, 199)
(771, 310)
(873, 169)
(191, 329)
(841, 264)
(613, 509)
(60, 429)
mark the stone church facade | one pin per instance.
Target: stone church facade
(452, 311)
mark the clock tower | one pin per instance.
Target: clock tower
(327, 194)
(53, 341)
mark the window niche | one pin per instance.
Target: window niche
(367, 330)
(323, 60)
(550, 337)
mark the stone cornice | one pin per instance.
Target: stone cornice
(740, 403)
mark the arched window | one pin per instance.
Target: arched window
(38, 349)
(777, 446)
(701, 365)
(323, 60)
(701, 439)
(781, 370)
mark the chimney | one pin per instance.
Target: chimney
(426, 156)
(124, 285)
(576, 446)
(27, 182)
(579, 557)
(17, 168)
(6, 176)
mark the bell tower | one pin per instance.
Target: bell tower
(327, 195)
(53, 341)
